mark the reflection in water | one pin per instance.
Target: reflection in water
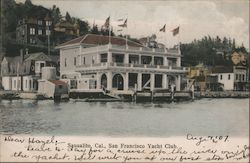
(201, 117)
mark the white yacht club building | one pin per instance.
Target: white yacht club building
(93, 63)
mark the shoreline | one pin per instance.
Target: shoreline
(15, 95)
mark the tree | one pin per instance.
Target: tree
(94, 30)
(28, 3)
(56, 14)
(68, 17)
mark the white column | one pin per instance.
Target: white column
(126, 58)
(126, 81)
(139, 59)
(98, 58)
(178, 62)
(178, 83)
(165, 61)
(109, 57)
(109, 80)
(164, 81)
(152, 81)
(139, 81)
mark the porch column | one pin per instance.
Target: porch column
(139, 81)
(109, 80)
(178, 62)
(165, 61)
(164, 81)
(109, 57)
(126, 81)
(139, 59)
(178, 83)
(152, 81)
(126, 58)
(98, 58)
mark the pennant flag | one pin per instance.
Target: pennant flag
(175, 31)
(163, 29)
(124, 25)
(107, 22)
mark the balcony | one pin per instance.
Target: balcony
(129, 66)
(130, 49)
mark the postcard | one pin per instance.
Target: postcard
(124, 81)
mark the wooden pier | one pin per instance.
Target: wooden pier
(162, 95)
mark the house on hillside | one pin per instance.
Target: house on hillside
(94, 63)
(34, 30)
(22, 72)
(67, 28)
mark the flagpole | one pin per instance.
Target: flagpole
(179, 48)
(109, 30)
(127, 34)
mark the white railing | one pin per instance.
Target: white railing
(130, 48)
(128, 65)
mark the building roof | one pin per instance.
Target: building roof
(40, 56)
(65, 24)
(13, 59)
(58, 82)
(222, 69)
(92, 39)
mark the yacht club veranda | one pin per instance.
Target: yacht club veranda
(123, 69)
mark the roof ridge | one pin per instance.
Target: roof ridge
(72, 40)
(84, 37)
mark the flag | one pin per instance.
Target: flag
(163, 29)
(119, 20)
(107, 23)
(124, 25)
(119, 30)
(176, 31)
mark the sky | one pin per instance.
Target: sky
(196, 18)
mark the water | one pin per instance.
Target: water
(201, 117)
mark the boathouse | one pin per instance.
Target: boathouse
(96, 63)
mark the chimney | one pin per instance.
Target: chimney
(21, 55)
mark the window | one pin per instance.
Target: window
(32, 31)
(104, 58)
(237, 77)
(60, 86)
(79, 59)
(65, 62)
(42, 65)
(23, 32)
(229, 76)
(26, 84)
(74, 60)
(48, 32)
(48, 23)
(14, 83)
(221, 77)
(243, 77)
(30, 84)
(240, 77)
(32, 41)
(40, 31)
(83, 60)
(40, 22)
